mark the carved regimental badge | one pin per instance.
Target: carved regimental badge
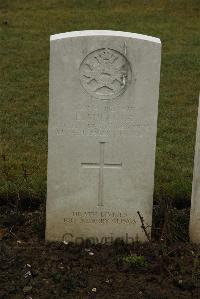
(105, 73)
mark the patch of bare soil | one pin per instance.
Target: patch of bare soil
(31, 268)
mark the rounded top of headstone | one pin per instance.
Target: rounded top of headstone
(104, 33)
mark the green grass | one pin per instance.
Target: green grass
(25, 27)
(135, 260)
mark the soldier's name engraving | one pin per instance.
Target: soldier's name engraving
(105, 114)
(103, 121)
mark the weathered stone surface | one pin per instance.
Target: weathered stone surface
(195, 203)
(104, 89)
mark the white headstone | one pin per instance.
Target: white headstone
(195, 203)
(104, 89)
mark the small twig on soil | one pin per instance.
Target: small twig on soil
(149, 239)
(170, 274)
(10, 231)
(174, 250)
(144, 227)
